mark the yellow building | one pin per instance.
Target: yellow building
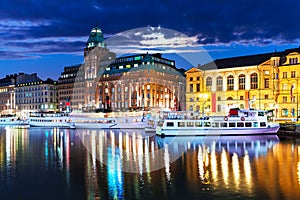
(262, 81)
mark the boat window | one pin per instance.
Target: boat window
(181, 124)
(206, 124)
(260, 114)
(170, 124)
(190, 124)
(198, 124)
(255, 124)
(248, 124)
(262, 124)
(223, 124)
(240, 124)
(215, 124)
(231, 124)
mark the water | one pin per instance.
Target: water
(42, 163)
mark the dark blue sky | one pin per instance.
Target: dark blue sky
(44, 36)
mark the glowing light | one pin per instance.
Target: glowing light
(167, 163)
(200, 164)
(247, 169)
(224, 165)
(236, 169)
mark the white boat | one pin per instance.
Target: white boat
(11, 119)
(49, 119)
(238, 122)
(92, 121)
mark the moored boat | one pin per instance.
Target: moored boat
(11, 119)
(92, 120)
(50, 119)
(238, 122)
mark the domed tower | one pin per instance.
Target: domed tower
(95, 39)
(96, 59)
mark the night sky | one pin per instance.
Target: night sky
(44, 36)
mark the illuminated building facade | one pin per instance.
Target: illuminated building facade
(7, 93)
(141, 81)
(96, 58)
(262, 81)
(34, 94)
(70, 88)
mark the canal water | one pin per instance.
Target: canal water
(52, 163)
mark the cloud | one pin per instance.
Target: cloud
(35, 26)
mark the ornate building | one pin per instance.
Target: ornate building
(34, 94)
(70, 88)
(96, 58)
(141, 81)
(262, 81)
(7, 93)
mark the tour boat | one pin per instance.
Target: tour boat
(238, 122)
(92, 120)
(49, 119)
(11, 119)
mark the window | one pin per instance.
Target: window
(284, 86)
(170, 124)
(215, 124)
(198, 87)
(223, 124)
(206, 124)
(181, 124)
(284, 74)
(266, 96)
(275, 76)
(266, 72)
(242, 81)
(241, 97)
(190, 124)
(262, 124)
(293, 60)
(293, 74)
(191, 78)
(240, 124)
(198, 124)
(230, 82)
(198, 78)
(219, 108)
(208, 84)
(254, 81)
(191, 88)
(267, 83)
(248, 124)
(231, 124)
(219, 83)
(284, 112)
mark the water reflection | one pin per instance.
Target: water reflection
(216, 167)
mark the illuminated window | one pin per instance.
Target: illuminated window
(219, 83)
(284, 74)
(242, 79)
(267, 83)
(254, 81)
(230, 82)
(293, 74)
(208, 84)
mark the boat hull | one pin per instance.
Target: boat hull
(213, 132)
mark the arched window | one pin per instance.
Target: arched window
(242, 81)
(229, 99)
(230, 82)
(208, 84)
(219, 83)
(254, 81)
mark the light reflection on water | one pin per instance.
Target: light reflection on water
(45, 160)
